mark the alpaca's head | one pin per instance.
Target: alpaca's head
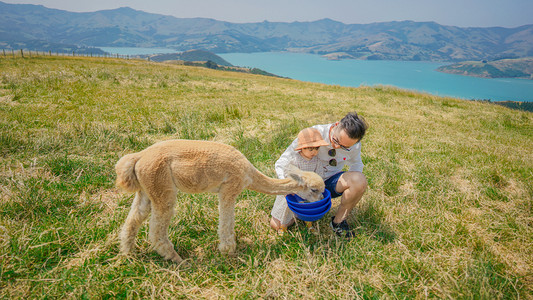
(312, 184)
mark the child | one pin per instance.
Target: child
(306, 159)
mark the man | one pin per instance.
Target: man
(344, 149)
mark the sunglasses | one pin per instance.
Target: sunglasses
(339, 144)
(333, 161)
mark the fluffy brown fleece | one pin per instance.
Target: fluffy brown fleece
(158, 172)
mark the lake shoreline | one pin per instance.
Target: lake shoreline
(518, 105)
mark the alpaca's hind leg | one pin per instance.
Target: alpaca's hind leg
(140, 208)
(162, 212)
(226, 222)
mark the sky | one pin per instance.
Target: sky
(462, 13)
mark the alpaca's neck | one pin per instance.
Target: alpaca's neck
(264, 184)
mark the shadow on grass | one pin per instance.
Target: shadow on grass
(195, 238)
(370, 220)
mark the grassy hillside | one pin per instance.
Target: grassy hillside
(448, 212)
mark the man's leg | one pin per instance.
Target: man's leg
(352, 186)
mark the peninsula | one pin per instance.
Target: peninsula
(503, 68)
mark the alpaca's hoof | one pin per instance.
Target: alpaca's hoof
(123, 255)
(184, 264)
(175, 258)
(125, 248)
(227, 248)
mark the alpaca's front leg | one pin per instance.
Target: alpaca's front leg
(226, 222)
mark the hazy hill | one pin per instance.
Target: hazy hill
(390, 40)
(202, 58)
(517, 68)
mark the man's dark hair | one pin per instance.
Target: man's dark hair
(354, 125)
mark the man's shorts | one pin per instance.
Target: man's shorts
(331, 183)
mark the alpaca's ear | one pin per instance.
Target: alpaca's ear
(293, 172)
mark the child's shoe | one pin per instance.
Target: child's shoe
(282, 229)
(310, 227)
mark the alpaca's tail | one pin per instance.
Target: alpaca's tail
(125, 169)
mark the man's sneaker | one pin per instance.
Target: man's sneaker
(342, 228)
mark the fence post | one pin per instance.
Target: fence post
(21, 53)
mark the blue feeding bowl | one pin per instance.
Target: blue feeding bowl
(298, 202)
(309, 211)
(311, 216)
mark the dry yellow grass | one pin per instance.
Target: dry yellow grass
(448, 212)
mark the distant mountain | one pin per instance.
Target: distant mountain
(191, 55)
(390, 40)
(504, 68)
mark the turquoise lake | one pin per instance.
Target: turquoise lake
(419, 76)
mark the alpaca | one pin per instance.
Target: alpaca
(158, 172)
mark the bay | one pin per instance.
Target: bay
(419, 76)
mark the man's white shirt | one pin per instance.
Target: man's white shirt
(351, 158)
